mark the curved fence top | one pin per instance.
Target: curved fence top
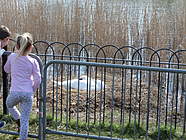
(133, 55)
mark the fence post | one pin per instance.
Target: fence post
(5, 80)
(40, 131)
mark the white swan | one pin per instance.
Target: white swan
(84, 82)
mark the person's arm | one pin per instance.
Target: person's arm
(1, 49)
(36, 75)
(7, 66)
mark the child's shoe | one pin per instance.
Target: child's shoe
(2, 124)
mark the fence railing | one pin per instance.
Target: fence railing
(113, 98)
(134, 55)
(101, 92)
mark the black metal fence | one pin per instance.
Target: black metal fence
(114, 86)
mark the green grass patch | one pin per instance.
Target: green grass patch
(128, 130)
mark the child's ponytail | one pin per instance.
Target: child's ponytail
(24, 41)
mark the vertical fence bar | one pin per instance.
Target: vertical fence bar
(184, 107)
(148, 106)
(57, 92)
(160, 91)
(78, 102)
(44, 85)
(40, 98)
(124, 79)
(113, 103)
(184, 114)
(101, 106)
(131, 88)
(104, 95)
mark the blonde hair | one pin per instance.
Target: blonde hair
(24, 42)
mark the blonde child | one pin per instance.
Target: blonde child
(25, 79)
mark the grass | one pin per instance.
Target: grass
(129, 131)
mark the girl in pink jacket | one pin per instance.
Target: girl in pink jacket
(25, 79)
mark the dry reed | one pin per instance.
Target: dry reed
(99, 22)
